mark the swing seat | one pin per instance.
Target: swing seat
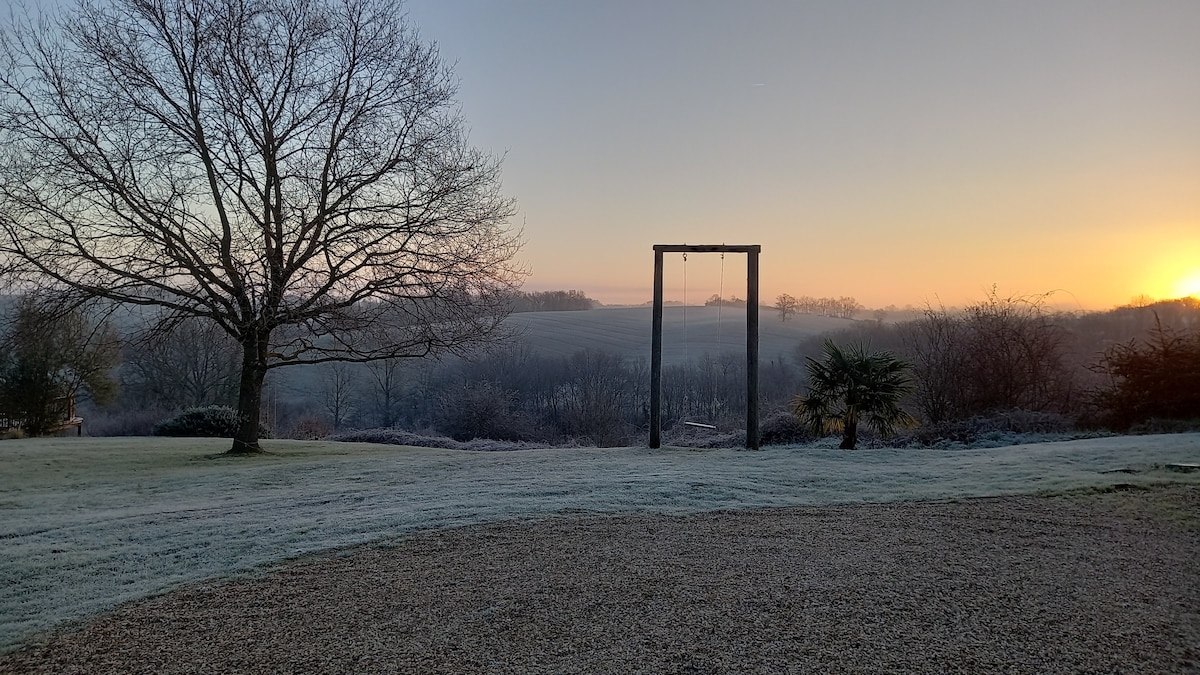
(701, 425)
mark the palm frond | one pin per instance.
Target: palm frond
(851, 382)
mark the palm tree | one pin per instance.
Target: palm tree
(851, 386)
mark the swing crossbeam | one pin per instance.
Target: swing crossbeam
(752, 252)
(707, 248)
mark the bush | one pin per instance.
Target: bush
(1156, 425)
(1158, 379)
(309, 428)
(685, 436)
(481, 410)
(1000, 354)
(391, 436)
(217, 421)
(782, 428)
(1003, 427)
(102, 422)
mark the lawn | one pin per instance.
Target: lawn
(89, 523)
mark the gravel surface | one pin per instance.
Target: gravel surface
(1083, 583)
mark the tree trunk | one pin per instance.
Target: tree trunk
(254, 370)
(850, 433)
(850, 437)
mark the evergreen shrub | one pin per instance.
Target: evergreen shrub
(215, 421)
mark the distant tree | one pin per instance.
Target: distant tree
(193, 363)
(385, 391)
(716, 300)
(1157, 378)
(591, 402)
(552, 301)
(786, 305)
(846, 307)
(338, 384)
(296, 172)
(851, 386)
(1094, 332)
(49, 356)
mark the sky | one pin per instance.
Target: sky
(901, 153)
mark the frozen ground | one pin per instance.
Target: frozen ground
(89, 523)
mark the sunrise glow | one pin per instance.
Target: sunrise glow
(1188, 286)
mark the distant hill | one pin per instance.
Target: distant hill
(688, 332)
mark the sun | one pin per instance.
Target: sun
(1188, 285)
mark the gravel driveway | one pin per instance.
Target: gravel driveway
(1104, 582)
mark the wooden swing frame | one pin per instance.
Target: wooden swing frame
(752, 253)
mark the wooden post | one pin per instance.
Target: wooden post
(752, 349)
(656, 354)
(751, 252)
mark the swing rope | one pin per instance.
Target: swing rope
(720, 301)
(686, 402)
(685, 321)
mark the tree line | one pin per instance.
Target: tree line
(789, 306)
(1003, 364)
(552, 301)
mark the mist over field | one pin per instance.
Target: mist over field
(580, 377)
(688, 332)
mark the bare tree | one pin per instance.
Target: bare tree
(296, 172)
(846, 307)
(786, 305)
(386, 390)
(589, 405)
(194, 363)
(937, 345)
(338, 387)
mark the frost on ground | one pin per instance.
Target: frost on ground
(90, 523)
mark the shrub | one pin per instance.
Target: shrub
(999, 354)
(1156, 425)
(102, 422)
(217, 421)
(1003, 427)
(309, 428)
(685, 436)
(391, 436)
(1157, 379)
(481, 410)
(782, 428)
